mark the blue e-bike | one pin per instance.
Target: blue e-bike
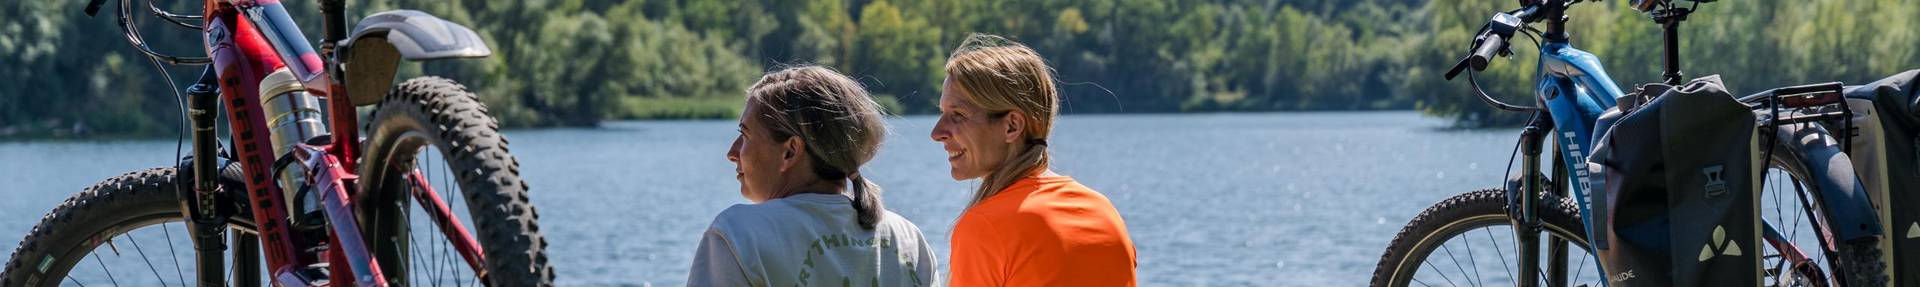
(1527, 232)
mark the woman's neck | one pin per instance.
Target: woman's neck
(816, 186)
(1042, 172)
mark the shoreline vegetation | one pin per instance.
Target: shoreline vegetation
(580, 62)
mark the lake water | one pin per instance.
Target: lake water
(1279, 199)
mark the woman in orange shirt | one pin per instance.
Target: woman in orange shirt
(1026, 225)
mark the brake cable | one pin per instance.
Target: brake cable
(132, 32)
(173, 18)
(1496, 103)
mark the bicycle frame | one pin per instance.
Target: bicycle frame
(247, 40)
(1574, 90)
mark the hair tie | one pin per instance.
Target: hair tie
(1037, 141)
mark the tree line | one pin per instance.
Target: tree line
(580, 62)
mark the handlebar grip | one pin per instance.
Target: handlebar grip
(1490, 47)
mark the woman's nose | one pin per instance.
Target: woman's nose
(940, 133)
(733, 151)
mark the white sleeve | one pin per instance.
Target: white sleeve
(927, 265)
(715, 264)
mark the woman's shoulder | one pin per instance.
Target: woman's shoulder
(798, 205)
(1048, 195)
(1067, 187)
(754, 217)
(1040, 205)
(898, 227)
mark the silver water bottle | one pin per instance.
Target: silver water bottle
(294, 117)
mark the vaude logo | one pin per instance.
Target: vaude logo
(1716, 185)
(1913, 231)
(1720, 244)
(1621, 277)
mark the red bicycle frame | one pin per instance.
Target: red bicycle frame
(246, 40)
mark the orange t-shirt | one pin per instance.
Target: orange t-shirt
(1042, 231)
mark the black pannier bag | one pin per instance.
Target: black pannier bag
(1674, 180)
(1886, 123)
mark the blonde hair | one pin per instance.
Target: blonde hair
(841, 125)
(1002, 76)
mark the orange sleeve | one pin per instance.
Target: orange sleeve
(977, 257)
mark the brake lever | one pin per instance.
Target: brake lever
(1457, 68)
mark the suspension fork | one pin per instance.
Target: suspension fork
(1526, 220)
(206, 221)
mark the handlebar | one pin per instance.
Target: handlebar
(1492, 39)
(1485, 53)
(129, 29)
(1492, 42)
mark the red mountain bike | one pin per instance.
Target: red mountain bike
(300, 187)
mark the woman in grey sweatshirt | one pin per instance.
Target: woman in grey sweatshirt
(814, 220)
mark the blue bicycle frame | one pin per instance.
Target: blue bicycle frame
(1572, 89)
(1575, 90)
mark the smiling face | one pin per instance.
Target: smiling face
(976, 141)
(759, 161)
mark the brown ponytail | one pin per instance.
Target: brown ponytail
(1003, 76)
(841, 126)
(866, 200)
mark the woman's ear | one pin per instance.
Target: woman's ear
(793, 150)
(1016, 126)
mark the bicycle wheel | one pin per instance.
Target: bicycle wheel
(435, 127)
(1788, 205)
(1438, 247)
(137, 218)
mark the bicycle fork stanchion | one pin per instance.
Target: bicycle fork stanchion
(1526, 225)
(206, 224)
(246, 259)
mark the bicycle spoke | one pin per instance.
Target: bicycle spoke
(445, 265)
(446, 258)
(143, 258)
(1471, 261)
(1443, 275)
(233, 271)
(413, 262)
(1583, 266)
(178, 274)
(103, 268)
(1496, 249)
(1456, 263)
(1422, 283)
